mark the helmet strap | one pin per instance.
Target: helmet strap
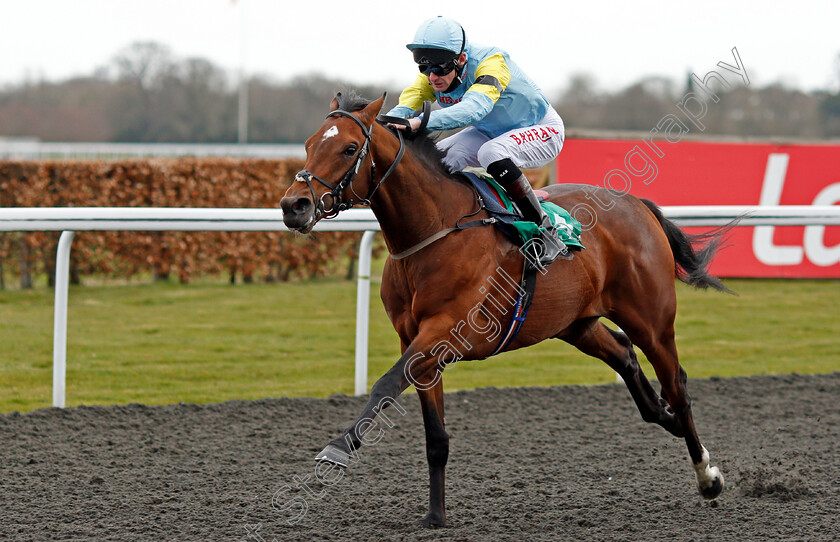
(456, 82)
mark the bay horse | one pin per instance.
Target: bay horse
(436, 292)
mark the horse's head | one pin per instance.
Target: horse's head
(339, 167)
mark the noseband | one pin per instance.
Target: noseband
(335, 191)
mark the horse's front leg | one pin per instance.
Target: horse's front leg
(437, 451)
(419, 365)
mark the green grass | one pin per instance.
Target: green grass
(166, 343)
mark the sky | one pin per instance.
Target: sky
(618, 42)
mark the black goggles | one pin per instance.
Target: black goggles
(438, 69)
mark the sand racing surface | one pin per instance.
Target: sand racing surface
(562, 463)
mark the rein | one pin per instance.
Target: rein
(338, 202)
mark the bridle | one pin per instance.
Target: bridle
(338, 202)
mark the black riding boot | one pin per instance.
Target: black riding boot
(519, 189)
(552, 247)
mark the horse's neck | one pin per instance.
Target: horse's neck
(417, 202)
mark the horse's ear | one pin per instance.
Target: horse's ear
(334, 102)
(372, 110)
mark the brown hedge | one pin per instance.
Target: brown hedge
(185, 182)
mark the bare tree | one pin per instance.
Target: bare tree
(141, 69)
(146, 94)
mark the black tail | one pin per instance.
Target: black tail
(692, 265)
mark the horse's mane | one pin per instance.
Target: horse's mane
(423, 146)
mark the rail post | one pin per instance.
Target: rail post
(363, 311)
(62, 287)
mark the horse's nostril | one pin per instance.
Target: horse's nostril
(301, 205)
(295, 207)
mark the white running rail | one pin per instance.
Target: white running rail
(71, 219)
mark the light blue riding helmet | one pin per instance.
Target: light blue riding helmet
(440, 33)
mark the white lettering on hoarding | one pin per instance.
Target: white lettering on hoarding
(815, 235)
(769, 253)
(771, 194)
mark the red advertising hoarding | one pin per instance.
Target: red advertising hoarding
(713, 173)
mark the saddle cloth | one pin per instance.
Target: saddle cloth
(509, 218)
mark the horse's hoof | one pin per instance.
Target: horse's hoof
(431, 522)
(714, 488)
(333, 454)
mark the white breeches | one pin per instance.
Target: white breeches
(528, 147)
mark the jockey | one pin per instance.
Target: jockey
(509, 123)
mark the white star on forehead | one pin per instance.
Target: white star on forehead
(333, 131)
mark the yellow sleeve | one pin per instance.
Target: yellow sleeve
(418, 92)
(491, 77)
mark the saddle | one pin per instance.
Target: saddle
(509, 219)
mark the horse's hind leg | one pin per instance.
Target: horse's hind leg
(661, 351)
(437, 452)
(592, 337)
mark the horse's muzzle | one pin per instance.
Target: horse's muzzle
(298, 213)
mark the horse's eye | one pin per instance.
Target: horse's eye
(350, 150)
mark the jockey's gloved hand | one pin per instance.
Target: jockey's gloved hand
(413, 125)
